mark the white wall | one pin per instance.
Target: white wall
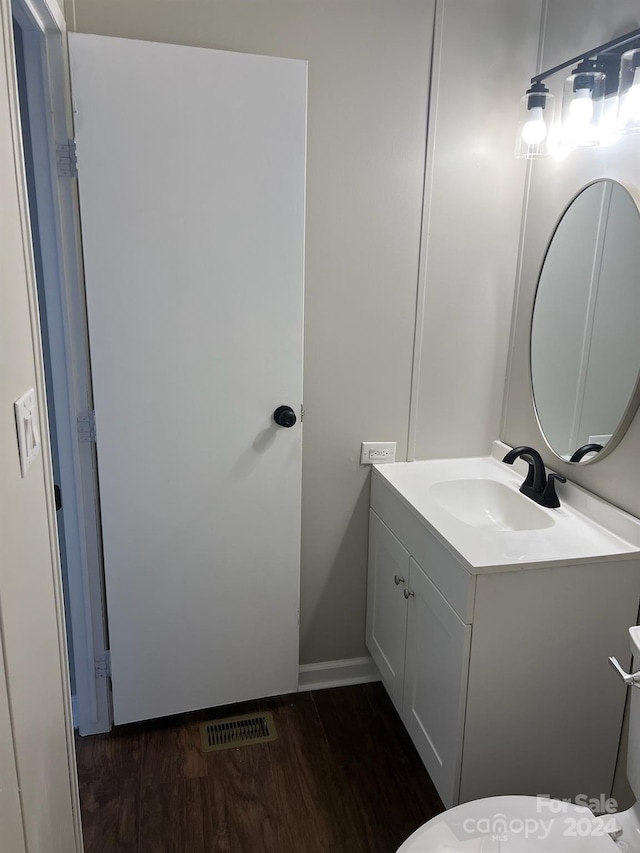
(10, 808)
(485, 53)
(35, 735)
(572, 26)
(369, 66)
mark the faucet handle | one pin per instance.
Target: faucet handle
(549, 497)
(553, 476)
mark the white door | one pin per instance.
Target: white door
(191, 169)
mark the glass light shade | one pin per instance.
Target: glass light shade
(534, 125)
(629, 93)
(609, 121)
(582, 108)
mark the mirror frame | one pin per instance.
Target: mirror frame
(634, 399)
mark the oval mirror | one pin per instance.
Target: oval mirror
(585, 331)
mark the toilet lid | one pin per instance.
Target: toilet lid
(512, 825)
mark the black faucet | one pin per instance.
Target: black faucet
(536, 485)
(582, 451)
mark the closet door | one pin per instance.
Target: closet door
(191, 170)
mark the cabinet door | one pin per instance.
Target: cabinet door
(387, 606)
(437, 664)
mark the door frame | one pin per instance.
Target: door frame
(50, 118)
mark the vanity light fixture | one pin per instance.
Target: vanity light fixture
(601, 78)
(536, 118)
(629, 92)
(582, 104)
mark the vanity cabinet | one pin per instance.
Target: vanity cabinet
(500, 675)
(421, 647)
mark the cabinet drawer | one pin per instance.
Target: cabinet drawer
(444, 570)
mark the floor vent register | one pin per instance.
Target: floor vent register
(232, 732)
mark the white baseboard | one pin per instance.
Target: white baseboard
(337, 673)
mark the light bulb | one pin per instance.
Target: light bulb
(581, 106)
(534, 120)
(534, 130)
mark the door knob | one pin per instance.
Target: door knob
(284, 416)
(407, 594)
(397, 580)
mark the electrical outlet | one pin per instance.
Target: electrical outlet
(375, 452)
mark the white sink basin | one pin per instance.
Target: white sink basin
(482, 502)
(475, 507)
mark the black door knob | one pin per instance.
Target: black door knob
(284, 416)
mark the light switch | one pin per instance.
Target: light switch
(28, 429)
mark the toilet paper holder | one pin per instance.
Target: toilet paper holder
(631, 679)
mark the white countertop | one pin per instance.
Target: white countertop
(583, 528)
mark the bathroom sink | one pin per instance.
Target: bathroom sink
(474, 506)
(481, 502)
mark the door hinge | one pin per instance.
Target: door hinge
(302, 412)
(103, 665)
(66, 159)
(87, 427)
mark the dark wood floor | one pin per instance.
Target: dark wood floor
(342, 776)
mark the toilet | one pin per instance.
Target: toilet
(517, 824)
